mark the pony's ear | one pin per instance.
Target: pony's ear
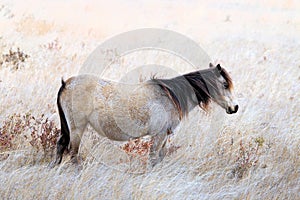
(219, 67)
(211, 65)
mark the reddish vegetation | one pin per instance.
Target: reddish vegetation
(138, 147)
(26, 129)
(53, 45)
(13, 59)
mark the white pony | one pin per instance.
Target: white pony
(121, 112)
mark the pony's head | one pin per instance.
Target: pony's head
(213, 84)
(220, 89)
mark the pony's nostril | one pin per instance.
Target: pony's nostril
(236, 107)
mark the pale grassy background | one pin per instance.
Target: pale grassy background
(258, 42)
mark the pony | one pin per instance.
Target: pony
(122, 112)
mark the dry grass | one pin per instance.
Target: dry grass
(251, 155)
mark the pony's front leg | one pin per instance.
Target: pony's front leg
(158, 148)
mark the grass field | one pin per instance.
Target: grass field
(254, 154)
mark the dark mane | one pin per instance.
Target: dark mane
(185, 88)
(178, 90)
(200, 88)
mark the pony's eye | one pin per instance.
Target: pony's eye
(226, 86)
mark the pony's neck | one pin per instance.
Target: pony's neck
(198, 81)
(185, 91)
(180, 92)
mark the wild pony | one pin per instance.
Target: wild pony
(122, 112)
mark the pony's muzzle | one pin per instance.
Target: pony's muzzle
(233, 109)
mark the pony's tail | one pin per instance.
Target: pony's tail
(64, 139)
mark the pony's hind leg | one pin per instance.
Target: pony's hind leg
(158, 148)
(75, 139)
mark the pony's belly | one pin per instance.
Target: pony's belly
(112, 128)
